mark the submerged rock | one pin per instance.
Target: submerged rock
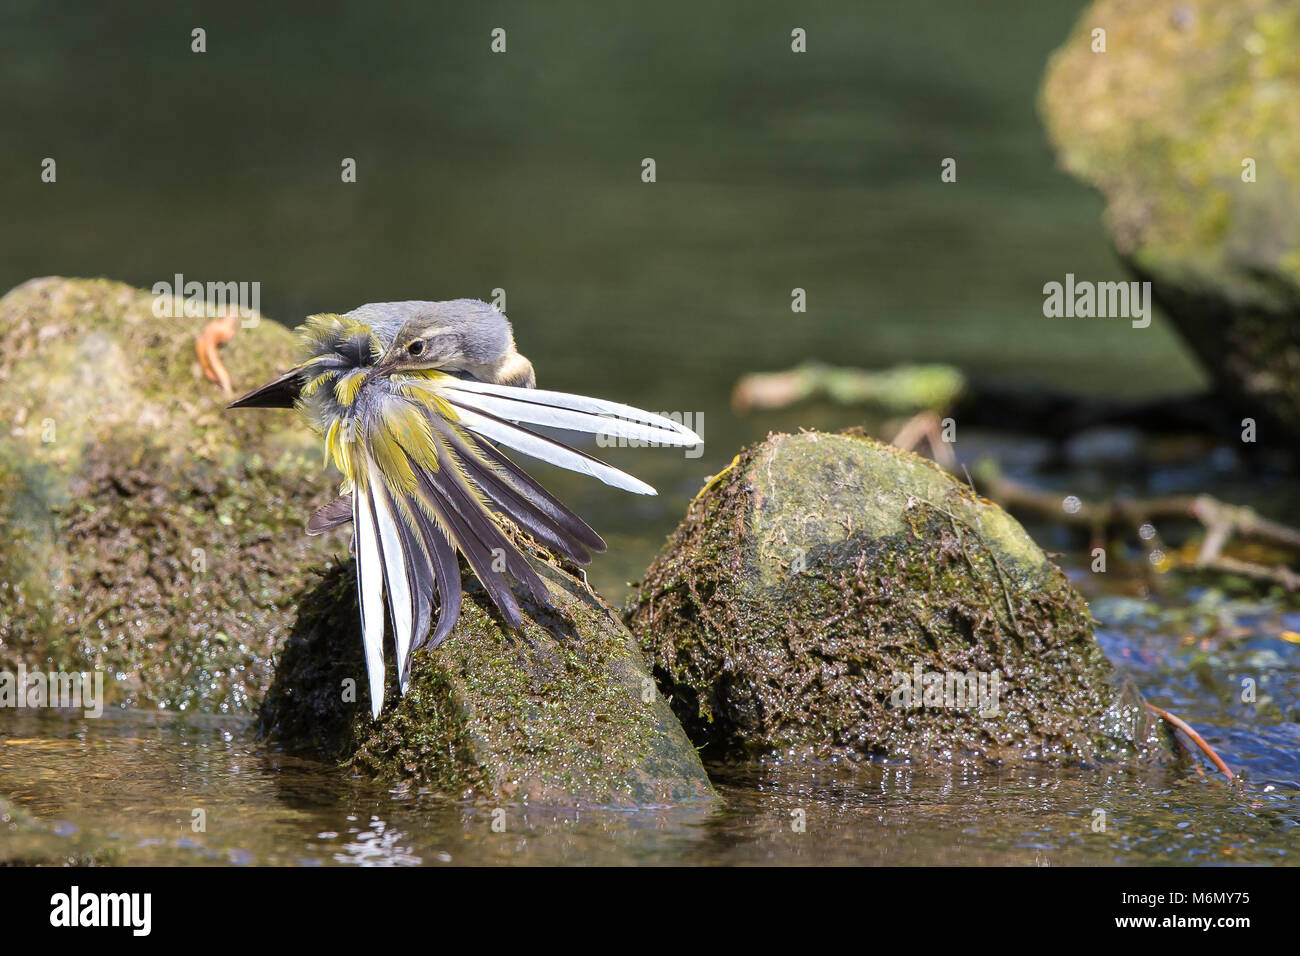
(1189, 124)
(564, 712)
(27, 840)
(831, 596)
(148, 533)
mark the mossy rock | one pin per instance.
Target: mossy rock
(1161, 123)
(148, 532)
(563, 712)
(811, 579)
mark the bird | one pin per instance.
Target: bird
(414, 401)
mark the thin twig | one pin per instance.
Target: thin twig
(928, 427)
(1277, 574)
(1222, 522)
(1209, 511)
(1196, 738)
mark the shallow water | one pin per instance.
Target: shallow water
(125, 789)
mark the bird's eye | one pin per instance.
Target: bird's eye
(416, 347)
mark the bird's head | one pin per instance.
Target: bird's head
(463, 336)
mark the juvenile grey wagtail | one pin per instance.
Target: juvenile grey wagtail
(412, 400)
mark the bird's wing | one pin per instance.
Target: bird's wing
(497, 413)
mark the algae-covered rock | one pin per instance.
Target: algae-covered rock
(829, 596)
(563, 712)
(1189, 124)
(148, 532)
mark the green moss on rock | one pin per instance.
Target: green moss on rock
(1161, 123)
(563, 712)
(813, 577)
(149, 533)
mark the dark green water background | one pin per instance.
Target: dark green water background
(522, 171)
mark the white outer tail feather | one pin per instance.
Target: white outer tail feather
(370, 596)
(543, 399)
(551, 451)
(534, 414)
(400, 600)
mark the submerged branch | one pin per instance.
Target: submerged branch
(1222, 521)
(1196, 738)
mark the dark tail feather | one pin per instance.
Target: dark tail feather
(474, 527)
(507, 499)
(539, 496)
(280, 393)
(471, 545)
(484, 526)
(488, 536)
(446, 570)
(420, 576)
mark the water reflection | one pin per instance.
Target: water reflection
(124, 789)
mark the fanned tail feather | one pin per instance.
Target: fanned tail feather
(543, 500)
(400, 565)
(549, 450)
(538, 514)
(370, 597)
(420, 567)
(411, 539)
(442, 485)
(501, 413)
(585, 413)
(478, 536)
(446, 571)
(514, 410)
